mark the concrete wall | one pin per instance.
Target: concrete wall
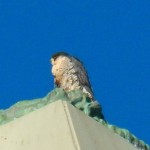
(59, 126)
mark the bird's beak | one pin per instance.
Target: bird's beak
(52, 61)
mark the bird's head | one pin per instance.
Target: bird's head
(58, 55)
(56, 61)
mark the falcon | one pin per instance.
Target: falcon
(70, 74)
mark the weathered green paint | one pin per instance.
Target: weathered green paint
(78, 99)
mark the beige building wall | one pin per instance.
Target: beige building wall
(59, 126)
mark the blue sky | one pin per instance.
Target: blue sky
(112, 38)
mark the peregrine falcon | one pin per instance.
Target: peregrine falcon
(70, 74)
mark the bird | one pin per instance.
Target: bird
(70, 74)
